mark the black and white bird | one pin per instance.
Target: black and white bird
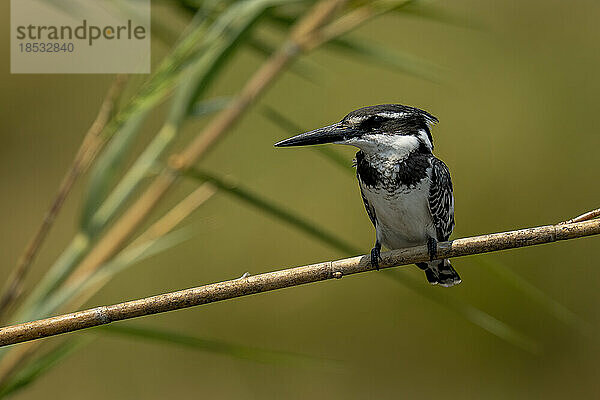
(407, 191)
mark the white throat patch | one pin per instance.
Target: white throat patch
(394, 148)
(391, 147)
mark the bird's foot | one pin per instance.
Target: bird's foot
(376, 256)
(431, 248)
(448, 275)
(432, 276)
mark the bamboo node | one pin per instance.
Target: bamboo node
(101, 315)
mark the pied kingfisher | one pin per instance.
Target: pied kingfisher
(407, 191)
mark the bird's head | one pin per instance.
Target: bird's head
(386, 128)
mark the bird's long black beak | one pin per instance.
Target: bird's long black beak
(329, 134)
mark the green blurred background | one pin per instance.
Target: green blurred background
(517, 99)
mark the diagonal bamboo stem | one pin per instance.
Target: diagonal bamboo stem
(114, 239)
(91, 145)
(125, 227)
(584, 217)
(287, 278)
(15, 359)
(163, 226)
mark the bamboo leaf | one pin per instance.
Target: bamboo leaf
(291, 128)
(108, 167)
(125, 127)
(158, 86)
(385, 56)
(273, 209)
(198, 51)
(373, 52)
(125, 259)
(208, 345)
(471, 313)
(426, 10)
(216, 45)
(221, 39)
(210, 106)
(229, 31)
(36, 368)
(149, 95)
(300, 68)
(551, 306)
(53, 278)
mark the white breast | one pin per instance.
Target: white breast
(403, 216)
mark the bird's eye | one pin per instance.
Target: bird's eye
(373, 122)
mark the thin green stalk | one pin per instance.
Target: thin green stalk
(52, 279)
(471, 313)
(288, 126)
(36, 368)
(220, 39)
(551, 306)
(273, 209)
(213, 346)
(125, 259)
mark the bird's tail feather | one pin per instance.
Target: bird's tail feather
(440, 272)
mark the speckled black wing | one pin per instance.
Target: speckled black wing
(369, 208)
(441, 199)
